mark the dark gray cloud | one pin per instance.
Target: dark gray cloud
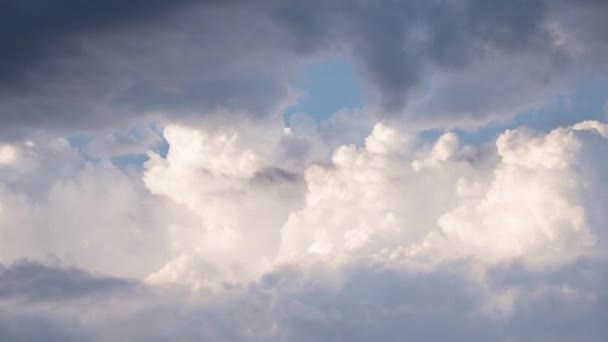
(393, 42)
(399, 42)
(38, 328)
(84, 65)
(32, 31)
(34, 281)
(273, 175)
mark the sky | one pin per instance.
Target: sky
(336, 170)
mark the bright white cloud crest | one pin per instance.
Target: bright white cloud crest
(530, 198)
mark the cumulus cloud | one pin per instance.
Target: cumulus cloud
(238, 199)
(539, 203)
(532, 197)
(220, 205)
(535, 198)
(55, 203)
(219, 241)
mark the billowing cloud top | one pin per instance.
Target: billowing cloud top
(157, 184)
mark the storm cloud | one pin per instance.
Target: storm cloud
(83, 65)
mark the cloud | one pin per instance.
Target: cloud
(130, 141)
(35, 328)
(114, 64)
(108, 65)
(394, 237)
(481, 93)
(532, 197)
(536, 198)
(7, 154)
(56, 203)
(36, 30)
(37, 282)
(237, 197)
(222, 204)
(363, 226)
(539, 205)
(355, 302)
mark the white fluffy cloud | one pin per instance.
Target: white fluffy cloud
(237, 201)
(539, 204)
(504, 225)
(534, 198)
(56, 204)
(219, 206)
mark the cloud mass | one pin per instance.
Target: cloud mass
(177, 59)
(161, 178)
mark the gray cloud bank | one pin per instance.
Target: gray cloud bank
(369, 301)
(81, 65)
(37, 282)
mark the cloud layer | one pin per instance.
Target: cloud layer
(155, 183)
(238, 248)
(90, 66)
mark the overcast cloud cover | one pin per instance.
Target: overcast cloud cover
(154, 185)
